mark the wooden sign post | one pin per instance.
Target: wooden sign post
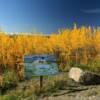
(41, 82)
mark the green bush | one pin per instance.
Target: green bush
(9, 80)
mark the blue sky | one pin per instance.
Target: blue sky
(47, 16)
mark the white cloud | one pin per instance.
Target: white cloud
(92, 11)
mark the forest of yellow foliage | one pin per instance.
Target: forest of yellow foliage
(71, 46)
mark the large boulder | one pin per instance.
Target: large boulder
(84, 77)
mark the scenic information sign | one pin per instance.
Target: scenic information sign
(40, 65)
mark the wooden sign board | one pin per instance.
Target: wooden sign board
(40, 65)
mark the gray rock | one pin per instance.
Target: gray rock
(89, 78)
(84, 77)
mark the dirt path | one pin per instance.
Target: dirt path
(66, 97)
(88, 93)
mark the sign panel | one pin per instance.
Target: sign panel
(40, 65)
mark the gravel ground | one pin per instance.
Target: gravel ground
(91, 93)
(66, 97)
(75, 92)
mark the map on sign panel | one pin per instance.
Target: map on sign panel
(40, 65)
